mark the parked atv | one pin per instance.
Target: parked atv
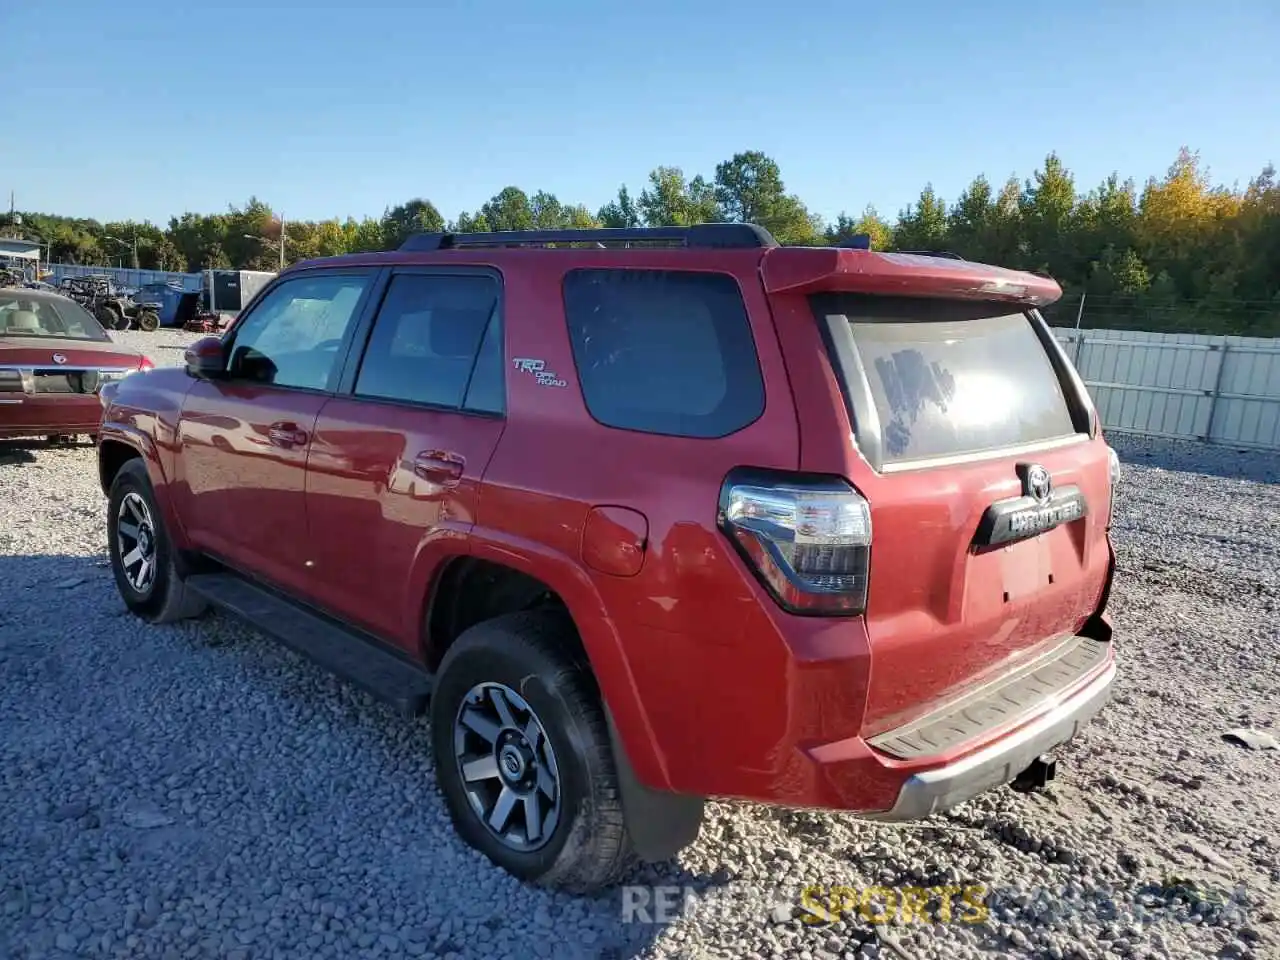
(98, 295)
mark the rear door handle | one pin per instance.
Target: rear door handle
(439, 466)
(286, 434)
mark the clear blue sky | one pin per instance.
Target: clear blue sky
(323, 109)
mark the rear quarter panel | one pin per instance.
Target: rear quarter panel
(555, 462)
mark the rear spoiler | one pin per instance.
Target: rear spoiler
(804, 270)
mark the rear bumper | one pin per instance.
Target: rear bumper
(967, 745)
(765, 716)
(25, 415)
(1000, 762)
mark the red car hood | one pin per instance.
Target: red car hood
(40, 352)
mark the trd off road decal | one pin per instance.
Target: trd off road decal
(538, 369)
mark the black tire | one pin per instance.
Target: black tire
(165, 598)
(148, 321)
(112, 319)
(589, 846)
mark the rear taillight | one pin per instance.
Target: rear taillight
(808, 541)
(145, 365)
(1113, 463)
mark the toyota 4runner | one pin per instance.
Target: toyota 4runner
(645, 516)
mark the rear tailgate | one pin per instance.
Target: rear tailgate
(950, 413)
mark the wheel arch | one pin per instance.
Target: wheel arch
(660, 822)
(535, 574)
(119, 444)
(113, 454)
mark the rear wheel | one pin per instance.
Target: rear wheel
(148, 321)
(112, 318)
(142, 557)
(523, 757)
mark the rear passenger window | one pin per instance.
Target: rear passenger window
(664, 351)
(426, 344)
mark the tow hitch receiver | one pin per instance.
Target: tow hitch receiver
(1037, 774)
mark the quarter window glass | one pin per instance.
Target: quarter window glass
(664, 351)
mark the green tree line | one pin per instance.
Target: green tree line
(1177, 253)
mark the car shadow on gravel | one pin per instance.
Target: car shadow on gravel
(15, 454)
(132, 820)
(19, 452)
(1184, 456)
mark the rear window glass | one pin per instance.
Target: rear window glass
(27, 316)
(949, 378)
(664, 351)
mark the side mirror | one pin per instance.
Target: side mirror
(206, 358)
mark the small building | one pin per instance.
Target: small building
(21, 254)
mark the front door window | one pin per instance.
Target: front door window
(293, 338)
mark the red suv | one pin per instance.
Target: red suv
(642, 517)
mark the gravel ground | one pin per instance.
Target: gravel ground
(197, 791)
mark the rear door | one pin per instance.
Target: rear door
(396, 462)
(972, 442)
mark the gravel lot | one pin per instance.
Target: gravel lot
(198, 791)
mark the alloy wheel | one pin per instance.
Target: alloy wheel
(136, 542)
(507, 766)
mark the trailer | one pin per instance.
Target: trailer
(228, 291)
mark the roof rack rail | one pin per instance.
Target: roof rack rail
(706, 235)
(945, 254)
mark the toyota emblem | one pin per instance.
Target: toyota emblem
(1036, 482)
(59, 358)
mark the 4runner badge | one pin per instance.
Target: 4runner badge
(1041, 507)
(539, 371)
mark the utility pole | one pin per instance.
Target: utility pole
(282, 243)
(122, 243)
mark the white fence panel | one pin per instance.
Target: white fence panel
(1186, 386)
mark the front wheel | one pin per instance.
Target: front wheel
(142, 558)
(523, 756)
(148, 321)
